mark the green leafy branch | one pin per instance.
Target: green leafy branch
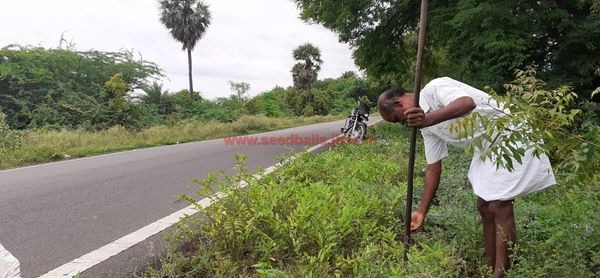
(530, 117)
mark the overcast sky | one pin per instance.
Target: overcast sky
(248, 40)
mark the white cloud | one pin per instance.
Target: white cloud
(248, 41)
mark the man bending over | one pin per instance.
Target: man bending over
(444, 101)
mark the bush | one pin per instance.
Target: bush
(308, 111)
(9, 139)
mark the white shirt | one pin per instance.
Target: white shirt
(438, 94)
(488, 182)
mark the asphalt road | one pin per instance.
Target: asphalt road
(53, 213)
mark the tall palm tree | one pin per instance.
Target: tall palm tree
(305, 72)
(186, 23)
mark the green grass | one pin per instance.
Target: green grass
(338, 214)
(331, 214)
(38, 146)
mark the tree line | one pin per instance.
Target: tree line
(479, 42)
(65, 88)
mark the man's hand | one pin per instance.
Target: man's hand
(416, 117)
(416, 220)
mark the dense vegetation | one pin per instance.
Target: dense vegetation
(64, 88)
(112, 101)
(478, 42)
(339, 214)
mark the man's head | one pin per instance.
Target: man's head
(392, 104)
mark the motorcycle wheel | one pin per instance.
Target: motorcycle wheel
(359, 132)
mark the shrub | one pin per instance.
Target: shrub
(9, 139)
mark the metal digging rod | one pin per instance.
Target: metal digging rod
(413, 134)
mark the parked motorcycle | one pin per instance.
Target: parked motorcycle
(355, 127)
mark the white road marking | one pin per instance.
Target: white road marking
(97, 256)
(9, 265)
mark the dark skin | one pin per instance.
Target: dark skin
(497, 216)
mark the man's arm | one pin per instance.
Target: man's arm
(415, 117)
(432, 180)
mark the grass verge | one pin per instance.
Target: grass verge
(39, 146)
(338, 214)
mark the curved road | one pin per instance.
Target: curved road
(53, 213)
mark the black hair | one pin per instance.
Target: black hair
(386, 106)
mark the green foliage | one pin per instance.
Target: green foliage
(349, 75)
(43, 145)
(116, 91)
(328, 96)
(308, 111)
(333, 214)
(187, 21)
(559, 234)
(225, 109)
(322, 101)
(333, 96)
(240, 96)
(62, 87)
(533, 117)
(596, 5)
(295, 101)
(180, 106)
(153, 94)
(557, 228)
(306, 70)
(382, 34)
(239, 88)
(145, 115)
(366, 91)
(270, 104)
(9, 139)
(479, 42)
(337, 214)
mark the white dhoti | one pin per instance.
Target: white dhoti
(491, 183)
